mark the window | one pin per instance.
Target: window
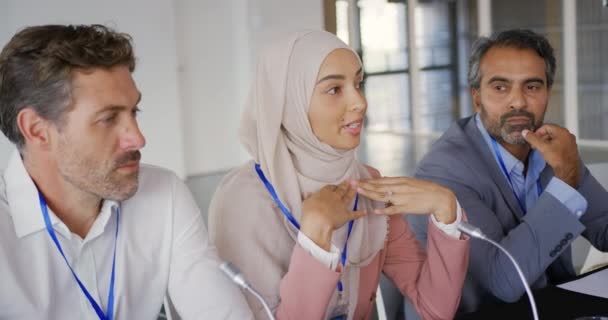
(444, 32)
(592, 66)
(384, 38)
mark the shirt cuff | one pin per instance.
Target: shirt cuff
(452, 228)
(568, 196)
(329, 259)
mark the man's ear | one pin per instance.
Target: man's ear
(476, 99)
(34, 128)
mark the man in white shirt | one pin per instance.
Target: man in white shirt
(85, 232)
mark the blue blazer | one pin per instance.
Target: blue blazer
(539, 240)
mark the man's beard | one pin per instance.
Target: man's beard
(99, 178)
(510, 133)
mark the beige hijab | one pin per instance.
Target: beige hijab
(276, 132)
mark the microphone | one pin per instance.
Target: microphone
(234, 274)
(475, 232)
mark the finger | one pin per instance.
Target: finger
(534, 140)
(543, 131)
(552, 130)
(378, 187)
(373, 172)
(329, 187)
(343, 188)
(390, 210)
(373, 195)
(357, 214)
(307, 195)
(544, 136)
(388, 180)
(398, 209)
(549, 128)
(395, 190)
(350, 194)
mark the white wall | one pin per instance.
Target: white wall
(5, 146)
(217, 42)
(151, 23)
(195, 57)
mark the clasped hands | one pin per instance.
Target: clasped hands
(330, 208)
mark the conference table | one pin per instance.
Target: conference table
(554, 302)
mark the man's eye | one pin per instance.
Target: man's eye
(109, 119)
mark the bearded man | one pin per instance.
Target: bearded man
(519, 180)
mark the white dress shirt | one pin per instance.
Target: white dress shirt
(331, 259)
(162, 251)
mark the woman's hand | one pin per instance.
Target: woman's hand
(409, 195)
(327, 210)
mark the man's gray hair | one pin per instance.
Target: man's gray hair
(516, 38)
(36, 69)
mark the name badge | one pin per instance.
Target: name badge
(339, 312)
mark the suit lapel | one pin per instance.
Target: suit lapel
(545, 176)
(492, 167)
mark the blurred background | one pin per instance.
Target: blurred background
(195, 62)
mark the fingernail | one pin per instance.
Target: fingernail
(359, 190)
(525, 132)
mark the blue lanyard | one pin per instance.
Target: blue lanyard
(504, 170)
(98, 310)
(293, 220)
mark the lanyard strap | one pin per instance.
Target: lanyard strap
(504, 170)
(94, 304)
(293, 221)
(350, 228)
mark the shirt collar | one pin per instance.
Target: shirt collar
(536, 162)
(22, 196)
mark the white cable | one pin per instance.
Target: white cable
(259, 297)
(380, 304)
(234, 274)
(475, 232)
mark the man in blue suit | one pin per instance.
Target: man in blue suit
(521, 181)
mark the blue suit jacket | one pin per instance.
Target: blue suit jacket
(539, 241)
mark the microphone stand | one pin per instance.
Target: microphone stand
(475, 232)
(234, 274)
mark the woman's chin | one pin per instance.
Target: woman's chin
(346, 144)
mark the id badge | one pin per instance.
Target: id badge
(340, 312)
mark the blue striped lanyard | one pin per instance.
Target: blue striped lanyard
(94, 304)
(293, 220)
(504, 170)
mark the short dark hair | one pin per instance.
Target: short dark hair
(515, 38)
(37, 63)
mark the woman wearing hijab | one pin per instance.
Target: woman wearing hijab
(292, 219)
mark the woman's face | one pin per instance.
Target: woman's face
(337, 107)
